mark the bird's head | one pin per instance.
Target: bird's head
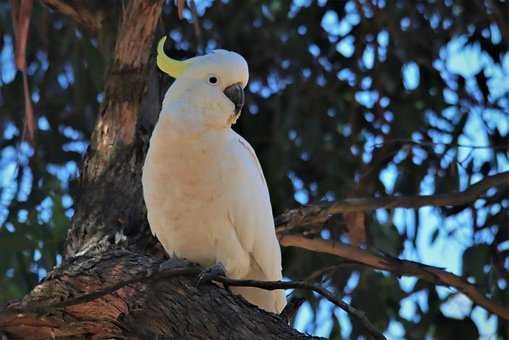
(211, 87)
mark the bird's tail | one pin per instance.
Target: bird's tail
(270, 300)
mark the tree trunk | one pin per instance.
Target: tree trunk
(109, 239)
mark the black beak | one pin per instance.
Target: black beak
(235, 93)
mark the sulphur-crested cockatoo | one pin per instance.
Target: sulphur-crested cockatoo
(206, 196)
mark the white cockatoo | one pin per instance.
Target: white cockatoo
(206, 196)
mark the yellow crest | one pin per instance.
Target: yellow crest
(174, 68)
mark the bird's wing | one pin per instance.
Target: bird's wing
(251, 211)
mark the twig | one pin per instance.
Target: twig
(273, 285)
(329, 269)
(80, 11)
(317, 214)
(400, 267)
(188, 271)
(428, 144)
(180, 8)
(197, 28)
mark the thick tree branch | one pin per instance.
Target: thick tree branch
(152, 275)
(400, 267)
(135, 304)
(84, 13)
(320, 213)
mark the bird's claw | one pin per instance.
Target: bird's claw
(173, 263)
(210, 273)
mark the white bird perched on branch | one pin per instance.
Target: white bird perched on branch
(206, 196)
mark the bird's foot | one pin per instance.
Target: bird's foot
(173, 263)
(210, 273)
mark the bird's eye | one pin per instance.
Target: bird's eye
(213, 80)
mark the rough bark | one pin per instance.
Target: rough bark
(172, 308)
(109, 239)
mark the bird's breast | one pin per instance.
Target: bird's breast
(186, 193)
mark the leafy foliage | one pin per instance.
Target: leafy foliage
(346, 98)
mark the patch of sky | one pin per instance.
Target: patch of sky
(178, 40)
(323, 318)
(442, 124)
(450, 96)
(382, 38)
(346, 46)
(325, 234)
(43, 123)
(475, 134)
(100, 97)
(296, 6)
(41, 273)
(404, 23)
(66, 77)
(25, 186)
(463, 59)
(77, 146)
(211, 45)
(64, 173)
(395, 330)
(347, 75)
(22, 215)
(335, 26)
(7, 66)
(300, 193)
(45, 210)
(411, 75)
(304, 317)
(37, 255)
(486, 323)
(352, 283)
(253, 109)
(388, 177)
(42, 58)
(306, 72)
(345, 323)
(70, 132)
(10, 130)
(368, 57)
(367, 99)
(285, 63)
(346, 130)
(366, 82)
(419, 155)
(202, 5)
(325, 64)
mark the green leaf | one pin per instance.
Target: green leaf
(474, 260)
(448, 328)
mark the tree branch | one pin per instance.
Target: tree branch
(400, 267)
(320, 213)
(146, 275)
(79, 11)
(115, 295)
(433, 144)
(273, 285)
